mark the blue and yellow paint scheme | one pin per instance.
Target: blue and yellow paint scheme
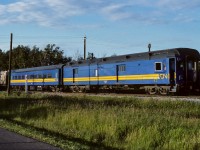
(170, 68)
(136, 72)
(38, 76)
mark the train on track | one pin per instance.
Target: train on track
(162, 71)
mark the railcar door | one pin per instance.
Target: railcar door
(172, 71)
(120, 71)
(75, 75)
(74, 72)
(187, 72)
(60, 76)
(117, 73)
(191, 71)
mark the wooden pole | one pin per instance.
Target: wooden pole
(85, 48)
(10, 59)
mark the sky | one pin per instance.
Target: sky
(112, 27)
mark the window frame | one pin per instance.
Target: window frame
(75, 70)
(122, 68)
(161, 66)
(49, 75)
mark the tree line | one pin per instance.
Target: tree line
(26, 57)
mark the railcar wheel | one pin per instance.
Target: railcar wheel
(163, 91)
(79, 89)
(72, 89)
(152, 91)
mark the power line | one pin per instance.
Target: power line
(4, 35)
(49, 36)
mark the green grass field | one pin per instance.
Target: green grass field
(103, 123)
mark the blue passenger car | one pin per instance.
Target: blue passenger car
(37, 77)
(162, 71)
(76, 75)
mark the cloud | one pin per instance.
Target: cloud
(154, 11)
(2, 9)
(64, 8)
(178, 4)
(17, 7)
(50, 12)
(38, 11)
(116, 11)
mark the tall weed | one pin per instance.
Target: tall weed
(124, 123)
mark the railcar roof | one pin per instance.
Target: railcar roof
(141, 56)
(38, 68)
(121, 58)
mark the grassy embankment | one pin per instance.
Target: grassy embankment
(106, 123)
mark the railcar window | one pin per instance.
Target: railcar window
(76, 71)
(181, 64)
(190, 65)
(96, 72)
(122, 68)
(158, 66)
(32, 76)
(40, 76)
(19, 77)
(35, 76)
(23, 77)
(49, 76)
(44, 76)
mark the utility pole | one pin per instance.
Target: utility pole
(149, 46)
(85, 47)
(10, 58)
